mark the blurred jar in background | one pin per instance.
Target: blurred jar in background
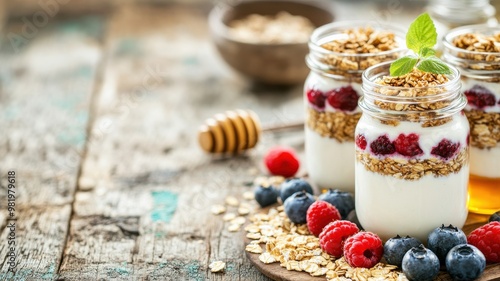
(475, 50)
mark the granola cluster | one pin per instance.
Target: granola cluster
(359, 41)
(413, 169)
(416, 84)
(484, 128)
(336, 125)
(480, 43)
(297, 250)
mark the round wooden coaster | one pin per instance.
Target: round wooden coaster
(278, 273)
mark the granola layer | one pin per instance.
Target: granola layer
(484, 128)
(335, 125)
(413, 169)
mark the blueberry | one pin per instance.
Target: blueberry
(396, 247)
(420, 264)
(296, 206)
(266, 195)
(465, 262)
(443, 238)
(495, 217)
(353, 217)
(291, 186)
(343, 201)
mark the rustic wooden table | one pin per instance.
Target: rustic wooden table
(98, 115)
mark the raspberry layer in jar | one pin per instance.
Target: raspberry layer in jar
(339, 53)
(412, 164)
(476, 51)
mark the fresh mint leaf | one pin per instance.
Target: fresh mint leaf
(427, 52)
(434, 65)
(403, 65)
(422, 33)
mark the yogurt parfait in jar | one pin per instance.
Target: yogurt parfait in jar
(475, 50)
(339, 53)
(412, 164)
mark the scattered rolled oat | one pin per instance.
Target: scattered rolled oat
(229, 217)
(297, 250)
(243, 211)
(281, 28)
(253, 235)
(254, 248)
(232, 201)
(238, 220)
(267, 258)
(248, 195)
(234, 227)
(217, 266)
(218, 209)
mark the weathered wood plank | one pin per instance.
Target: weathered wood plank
(46, 84)
(40, 238)
(143, 165)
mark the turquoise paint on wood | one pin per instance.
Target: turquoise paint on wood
(164, 205)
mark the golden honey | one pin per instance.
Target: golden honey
(484, 195)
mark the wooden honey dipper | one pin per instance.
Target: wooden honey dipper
(234, 131)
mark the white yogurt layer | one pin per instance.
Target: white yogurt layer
(389, 206)
(429, 137)
(468, 83)
(330, 164)
(485, 162)
(325, 84)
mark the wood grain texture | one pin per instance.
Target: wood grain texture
(45, 92)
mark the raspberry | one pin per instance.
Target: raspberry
(319, 214)
(487, 239)
(282, 161)
(361, 141)
(343, 98)
(407, 145)
(382, 146)
(363, 249)
(333, 236)
(445, 149)
(317, 98)
(480, 97)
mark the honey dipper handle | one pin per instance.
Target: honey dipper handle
(283, 127)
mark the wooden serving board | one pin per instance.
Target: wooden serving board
(278, 273)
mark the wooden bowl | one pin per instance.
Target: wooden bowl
(276, 64)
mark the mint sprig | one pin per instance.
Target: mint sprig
(421, 38)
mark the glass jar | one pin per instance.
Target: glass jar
(450, 14)
(412, 163)
(329, 128)
(481, 83)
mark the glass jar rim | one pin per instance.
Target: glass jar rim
(327, 29)
(453, 33)
(369, 83)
